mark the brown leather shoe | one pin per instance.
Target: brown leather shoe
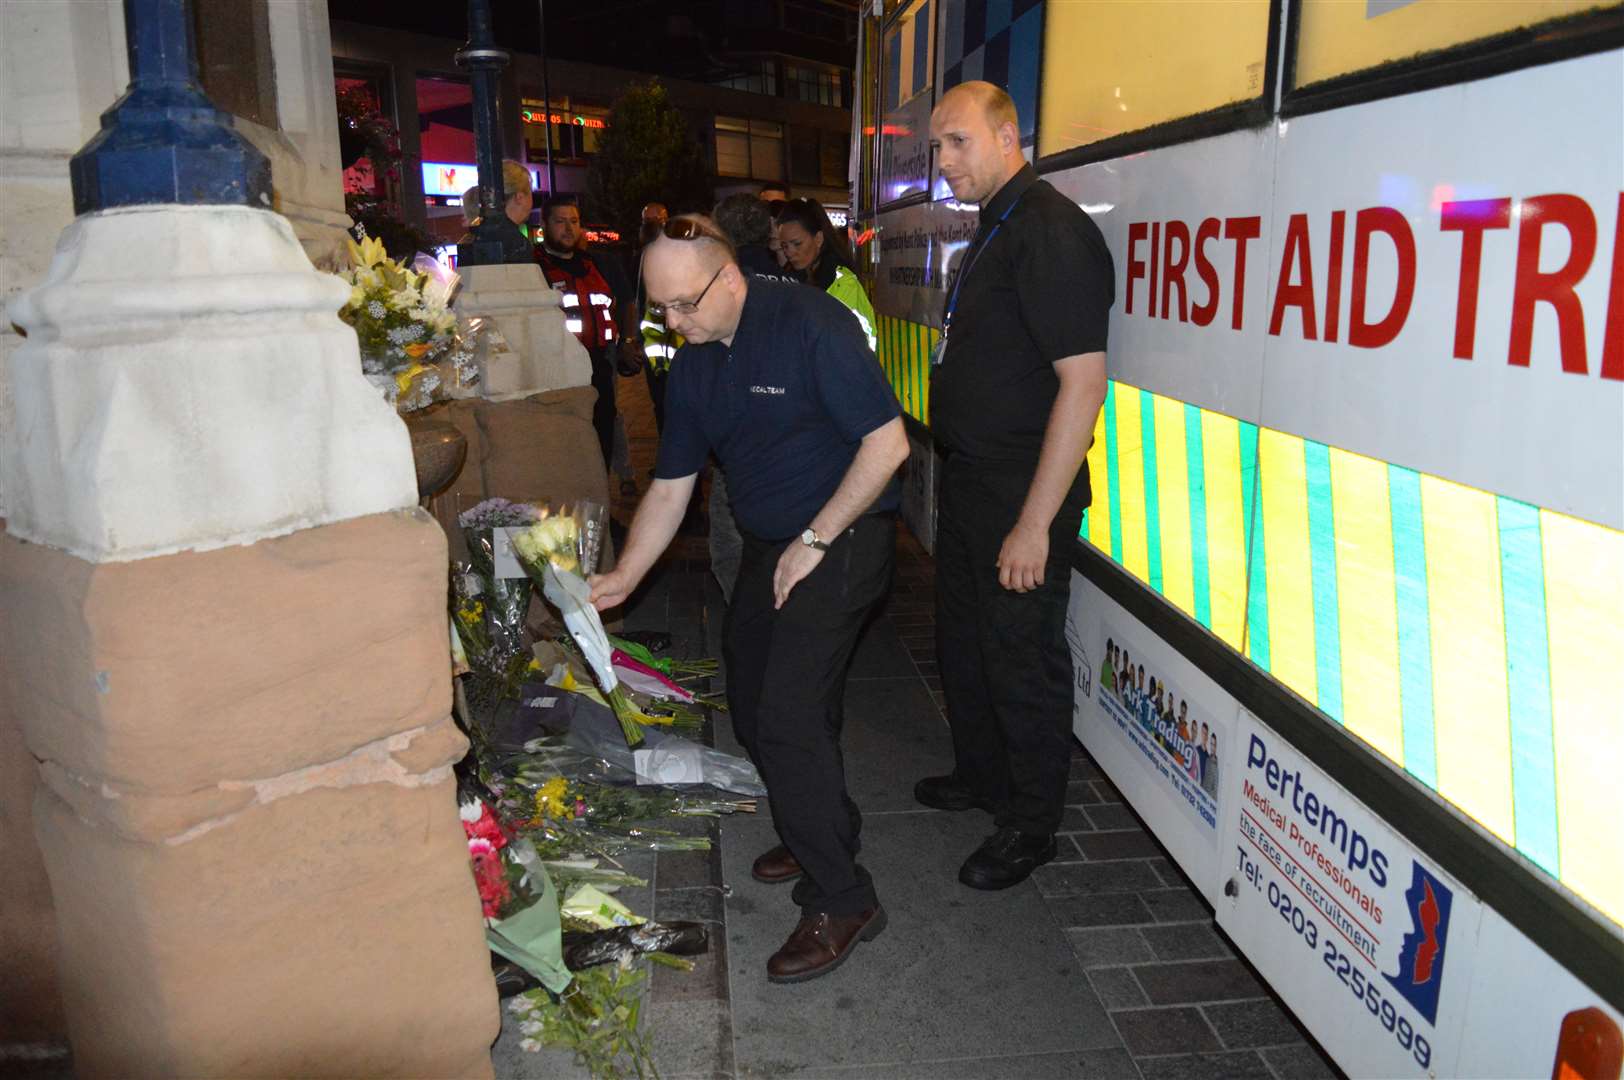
(820, 943)
(776, 866)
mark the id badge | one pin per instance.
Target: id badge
(938, 351)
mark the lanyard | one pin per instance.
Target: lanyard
(969, 263)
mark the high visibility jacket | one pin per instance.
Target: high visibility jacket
(589, 305)
(849, 291)
(660, 343)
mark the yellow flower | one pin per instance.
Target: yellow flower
(552, 801)
(368, 253)
(416, 350)
(403, 379)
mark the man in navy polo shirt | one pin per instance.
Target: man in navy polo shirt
(778, 381)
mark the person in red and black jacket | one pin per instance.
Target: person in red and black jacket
(589, 304)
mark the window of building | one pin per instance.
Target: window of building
(757, 76)
(818, 158)
(234, 58)
(749, 148)
(821, 86)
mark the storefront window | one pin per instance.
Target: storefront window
(576, 129)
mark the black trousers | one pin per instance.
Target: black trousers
(1005, 664)
(603, 410)
(786, 678)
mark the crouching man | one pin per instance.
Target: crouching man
(778, 382)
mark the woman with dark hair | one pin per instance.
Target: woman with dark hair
(814, 249)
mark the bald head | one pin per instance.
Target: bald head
(695, 280)
(977, 136)
(990, 98)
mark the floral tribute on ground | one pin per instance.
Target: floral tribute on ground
(576, 760)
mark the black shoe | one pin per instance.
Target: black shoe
(1006, 858)
(948, 793)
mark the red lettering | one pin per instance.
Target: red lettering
(1136, 265)
(1383, 219)
(1173, 272)
(1241, 230)
(1301, 294)
(1612, 336)
(1155, 262)
(1333, 276)
(1470, 218)
(1556, 287)
(1202, 314)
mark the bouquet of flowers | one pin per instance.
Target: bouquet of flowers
(490, 610)
(556, 553)
(515, 895)
(402, 318)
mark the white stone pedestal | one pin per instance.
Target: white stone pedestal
(540, 353)
(224, 641)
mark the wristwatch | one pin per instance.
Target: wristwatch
(810, 539)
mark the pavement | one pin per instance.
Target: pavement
(1105, 964)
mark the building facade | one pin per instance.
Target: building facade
(782, 121)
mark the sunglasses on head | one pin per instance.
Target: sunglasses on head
(686, 229)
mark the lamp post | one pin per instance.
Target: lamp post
(496, 239)
(163, 141)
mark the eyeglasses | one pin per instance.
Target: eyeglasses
(685, 307)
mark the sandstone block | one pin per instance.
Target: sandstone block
(165, 676)
(334, 932)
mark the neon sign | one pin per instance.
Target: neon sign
(536, 116)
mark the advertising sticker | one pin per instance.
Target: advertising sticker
(1372, 941)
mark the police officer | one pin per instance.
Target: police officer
(1018, 382)
(779, 383)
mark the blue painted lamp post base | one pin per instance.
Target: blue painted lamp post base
(164, 141)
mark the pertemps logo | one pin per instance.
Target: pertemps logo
(1421, 958)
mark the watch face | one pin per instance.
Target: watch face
(809, 537)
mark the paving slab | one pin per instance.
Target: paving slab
(943, 982)
(893, 733)
(1113, 1064)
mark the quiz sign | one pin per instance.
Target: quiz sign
(1375, 942)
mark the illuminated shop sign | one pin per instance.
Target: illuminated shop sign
(537, 116)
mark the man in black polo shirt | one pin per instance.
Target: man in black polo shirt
(778, 381)
(1019, 380)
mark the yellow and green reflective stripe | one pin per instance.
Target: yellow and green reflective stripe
(1366, 602)
(1584, 593)
(1528, 683)
(1468, 652)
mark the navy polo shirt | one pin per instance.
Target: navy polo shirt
(783, 408)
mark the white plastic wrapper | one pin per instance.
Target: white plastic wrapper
(571, 595)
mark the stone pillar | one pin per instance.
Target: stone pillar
(224, 641)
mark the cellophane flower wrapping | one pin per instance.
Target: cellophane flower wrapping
(516, 896)
(555, 553)
(497, 603)
(405, 327)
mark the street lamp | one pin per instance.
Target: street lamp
(496, 239)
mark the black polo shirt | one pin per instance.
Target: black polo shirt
(783, 408)
(1039, 291)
